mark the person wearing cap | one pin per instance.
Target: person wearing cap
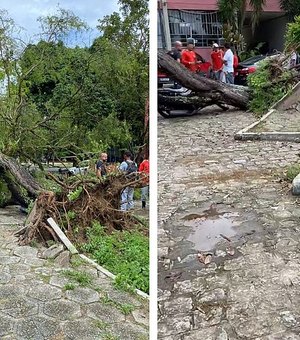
(176, 51)
(189, 58)
(217, 61)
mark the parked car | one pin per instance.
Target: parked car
(245, 68)
(249, 66)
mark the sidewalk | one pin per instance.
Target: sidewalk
(41, 300)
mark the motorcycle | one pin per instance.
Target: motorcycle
(166, 104)
(178, 101)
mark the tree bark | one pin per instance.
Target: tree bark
(17, 177)
(237, 96)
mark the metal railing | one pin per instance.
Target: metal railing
(204, 27)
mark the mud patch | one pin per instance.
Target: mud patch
(207, 232)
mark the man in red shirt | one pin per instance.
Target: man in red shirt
(189, 58)
(144, 170)
(217, 62)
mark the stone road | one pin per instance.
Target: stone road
(41, 300)
(226, 200)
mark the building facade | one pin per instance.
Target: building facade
(179, 20)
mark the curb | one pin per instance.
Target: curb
(74, 251)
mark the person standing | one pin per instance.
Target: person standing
(189, 58)
(228, 60)
(217, 62)
(101, 169)
(176, 52)
(129, 168)
(144, 170)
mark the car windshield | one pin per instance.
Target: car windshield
(252, 60)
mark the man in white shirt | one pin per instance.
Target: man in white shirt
(228, 64)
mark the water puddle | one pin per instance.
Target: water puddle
(211, 227)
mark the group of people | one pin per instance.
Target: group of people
(223, 60)
(130, 169)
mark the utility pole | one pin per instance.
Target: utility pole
(166, 25)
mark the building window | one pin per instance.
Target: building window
(204, 27)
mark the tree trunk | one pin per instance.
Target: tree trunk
(16, 178)
(237, 96)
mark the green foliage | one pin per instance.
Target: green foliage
(292, 172)
(292, 38)
(71, 215)
(5, 194)
(233, 17)
(252, 52)
(125, 308)
(291, 7)
(84, 279)
(265, 92)
(58, 25)
(73, 195)
(69, 286)
(60, 100)
(137, 195)
(126, 254)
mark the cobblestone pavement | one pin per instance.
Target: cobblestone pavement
(226, 199)
(39, 300)
(280, 121)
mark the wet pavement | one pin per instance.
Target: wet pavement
(47, 299)
(223, 202)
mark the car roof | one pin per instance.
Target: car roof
(252, 60)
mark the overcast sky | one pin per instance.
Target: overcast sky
(25, 12)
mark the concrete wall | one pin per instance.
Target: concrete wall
(273, 31)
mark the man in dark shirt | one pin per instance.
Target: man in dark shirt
(176, 52)
(101, 165)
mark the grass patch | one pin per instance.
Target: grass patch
(84, 279)
(126, 254)
(101, 324)
(125, 308)
(76, 261)
(292, 172)
(69, 286)
(109, 336)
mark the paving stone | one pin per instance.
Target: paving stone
(17, 307)
(126, 298)
(6, 325)
(5, 278)
(44, 292)
(181, 303)
(141, 317)
(129, 332)
(252, 293)
(53, 251)
(63, 259)
(82, 295)
(62, 309)
(83, 329)
(34, 262)
(9, 259)
(35, 305)
(105, 313)
(26, 252)
(59, 281)
(37, 328)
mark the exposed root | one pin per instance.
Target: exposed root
(77, 206)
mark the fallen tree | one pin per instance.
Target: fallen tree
(208, 91)
(19, 182)
(77, 206)
(79, 202)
